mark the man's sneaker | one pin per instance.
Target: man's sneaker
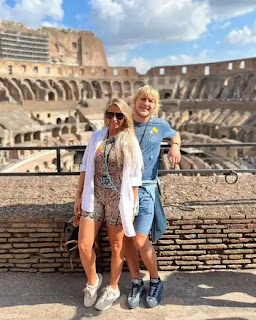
(155, 292)
(136, 292)
(90, 292)
(108, 297)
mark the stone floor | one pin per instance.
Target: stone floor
(224, 295)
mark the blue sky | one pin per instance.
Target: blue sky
(147, 33)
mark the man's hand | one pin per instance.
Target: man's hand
(174, 155)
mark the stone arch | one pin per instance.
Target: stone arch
(137, 85)
(37, 168)
(65, 130)
(27, 137)
(97, 89)
(42, 83)
(202, 94)
(75, 89)
(74, 129)
(3, 95)
(167, 95)
(106, 88)
(37, 135)
(27, 91)
(60, 92)
(51, 96)
(17, 139)
(117, 89)
(127, 89)
(39, 90)
(239, 87)
(67, 88)
(86, 90)
(59, 121)
(250, 136)
(55, 132)
(242, 135)
(13, 89)
(190, 89)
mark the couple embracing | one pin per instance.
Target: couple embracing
(118, 186)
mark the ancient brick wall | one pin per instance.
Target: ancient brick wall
(226, 242)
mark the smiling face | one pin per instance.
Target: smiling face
(143, 108)
(115, 125)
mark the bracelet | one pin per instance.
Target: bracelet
(178, 144)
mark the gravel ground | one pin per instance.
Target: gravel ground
(202, 195)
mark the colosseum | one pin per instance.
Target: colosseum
(55, 82)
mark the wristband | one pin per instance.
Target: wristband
(178, 144)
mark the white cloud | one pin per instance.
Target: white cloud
(133, 23)
(225, 25)
(142, 65)
(242, 36)
(32, 12)
(226, 9)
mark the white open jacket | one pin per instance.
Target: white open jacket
(132, 177)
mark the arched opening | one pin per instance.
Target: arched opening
(37, 168)
(27, 137)
(2, 95)
(51, 96)
(64, 130)
(97, 89)
(58, 121)
(37, 135)
(17, 139)
(167, 95)
(73, 130)
(55, 132)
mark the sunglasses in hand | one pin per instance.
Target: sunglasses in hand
(111, 115)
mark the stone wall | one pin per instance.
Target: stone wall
(218, 231)
(190, 243)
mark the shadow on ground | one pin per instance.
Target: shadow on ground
(221, 289)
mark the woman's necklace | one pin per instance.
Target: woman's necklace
(106, 177)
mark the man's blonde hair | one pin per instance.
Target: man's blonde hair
(125, 139)
(150, 93)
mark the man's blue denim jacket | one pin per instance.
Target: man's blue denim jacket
(152, 187)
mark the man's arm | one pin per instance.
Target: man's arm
(174, 152)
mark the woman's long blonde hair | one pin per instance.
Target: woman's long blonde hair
(124, 144)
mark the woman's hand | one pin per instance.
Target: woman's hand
(77, 208)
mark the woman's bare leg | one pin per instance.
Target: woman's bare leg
(88, 229)
(115, 236)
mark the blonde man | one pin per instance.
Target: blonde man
(150, 132)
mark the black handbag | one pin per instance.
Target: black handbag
(70, 237)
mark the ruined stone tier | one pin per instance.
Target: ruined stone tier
(69, 47)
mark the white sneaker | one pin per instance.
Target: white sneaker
(90, 292)
(108, 297)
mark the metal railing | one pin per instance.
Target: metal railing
(164, 147)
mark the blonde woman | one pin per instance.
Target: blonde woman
(110, 175)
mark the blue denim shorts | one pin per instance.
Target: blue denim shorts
(143, 221)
